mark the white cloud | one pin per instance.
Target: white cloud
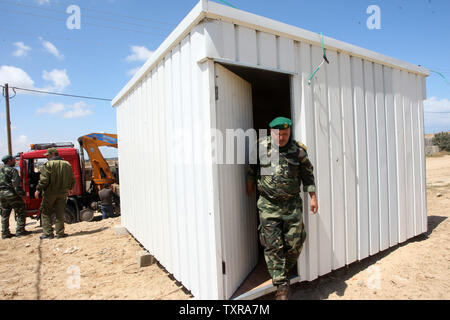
(79, 109)
(437, 114)
(15, 77)
(21, 49)
(139, 53)
(19, 144)
(59, 79)
(133, 71)
(41, 2)
(51, 108)
(435, 105)
(50, 47)
(76, 110)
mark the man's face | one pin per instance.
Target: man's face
(280, 137)
(50, 156)
(11, 163)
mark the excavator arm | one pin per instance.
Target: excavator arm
(101, 173)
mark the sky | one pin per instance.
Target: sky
(44, 48)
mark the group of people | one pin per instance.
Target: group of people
(55, 184)
(281, 228)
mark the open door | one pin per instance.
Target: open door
(238, 211)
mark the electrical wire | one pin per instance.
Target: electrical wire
(58, 94)
(49, 35)
(448, 112)
(85, 15)
(86, 23)
(325, 59)
(228, 4)
(92, 9)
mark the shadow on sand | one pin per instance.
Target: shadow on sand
(334, 282)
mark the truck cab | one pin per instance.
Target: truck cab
(30, 163)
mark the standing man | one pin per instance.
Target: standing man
(11, 194)
(281, 228)
(106, 202)
(56, 181)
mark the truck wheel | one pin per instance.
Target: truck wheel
(69, 216)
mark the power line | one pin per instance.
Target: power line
(100, 11)
(84, 15)
(86, 23)
(58, 94)
(436, 112)
(52, 36)
(130, 17)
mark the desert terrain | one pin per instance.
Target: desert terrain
(93, 263)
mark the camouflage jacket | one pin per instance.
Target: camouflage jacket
(56, 177)
(10, 182)
(282, 180)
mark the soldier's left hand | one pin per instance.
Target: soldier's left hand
(313, 204)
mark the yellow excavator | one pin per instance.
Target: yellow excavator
(101, 171)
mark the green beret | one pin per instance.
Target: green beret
(280, 123)
(5, 159)
(51, 150)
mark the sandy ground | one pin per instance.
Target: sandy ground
(417, 269)
(93, 263)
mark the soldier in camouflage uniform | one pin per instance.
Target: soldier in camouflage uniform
(281, 228)
(11, 198)
(55, 182)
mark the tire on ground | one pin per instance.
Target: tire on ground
(69, 215)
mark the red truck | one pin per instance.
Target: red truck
(81, 203)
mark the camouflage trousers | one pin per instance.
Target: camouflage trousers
(7, 204)
(282, 235)
(53, 203)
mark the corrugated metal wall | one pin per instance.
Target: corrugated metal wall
(166, 170)
(363, 124)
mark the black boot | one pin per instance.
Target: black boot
(47, 237)
(282, 292)
(23, 233)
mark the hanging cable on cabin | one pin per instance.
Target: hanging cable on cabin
(325, 59)
(445, 79)
(228, 4)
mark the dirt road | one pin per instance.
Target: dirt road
(93, 263)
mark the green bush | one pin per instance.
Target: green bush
(442, 140)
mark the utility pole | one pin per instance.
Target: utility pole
(8, 121)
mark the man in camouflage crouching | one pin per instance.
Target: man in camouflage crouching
(11, 198)
(281, 228)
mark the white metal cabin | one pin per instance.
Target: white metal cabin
(361, 118)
